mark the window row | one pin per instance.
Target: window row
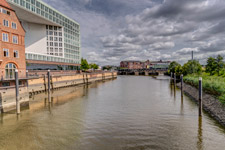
(55, 44)
(6, 24)
(5, 38)
(55, 33)
(6, 53)
(50, 38)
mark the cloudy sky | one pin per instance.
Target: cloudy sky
(115, 30)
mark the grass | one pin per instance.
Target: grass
(214, 85)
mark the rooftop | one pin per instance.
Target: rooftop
(5, 4)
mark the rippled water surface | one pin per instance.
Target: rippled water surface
(129, 113)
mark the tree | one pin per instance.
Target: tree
(192, 66)
(178, 70)
(211, 66)
(219, 64)
(172, 66)
(107, 67)
(84, 64)
(93, 66)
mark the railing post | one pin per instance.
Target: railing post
(200, 96)
(17, 92)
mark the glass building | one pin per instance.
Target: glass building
(51, 37)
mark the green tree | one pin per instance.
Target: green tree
(84, 64)
(211, 66)
(172, 66)
(192, 66)
(93, 66)
(107, 67)
(178, 70)
(219, 64)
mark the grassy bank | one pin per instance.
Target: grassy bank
(211, 84)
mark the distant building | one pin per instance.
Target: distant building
(12, 47)
(159, 64)
(144, 64)
(131, 64)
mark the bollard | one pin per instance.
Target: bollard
(17, 92)
(181, 82)
(49, 87)
(200, 96)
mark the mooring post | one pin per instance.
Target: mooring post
(27, 77)
(200, 96)
(181, 82)
(17, 92)
(49, 86)
(174, 79)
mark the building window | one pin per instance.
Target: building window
(16, 53)
(5, 84)
(6, 23)
(15, 39)
(6, 52)
(4, 11)
(5, 37)
(10, 71)
(14, 25)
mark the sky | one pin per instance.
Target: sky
(116, 30)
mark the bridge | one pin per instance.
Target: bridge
(145, 72)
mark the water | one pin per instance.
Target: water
(130, 113)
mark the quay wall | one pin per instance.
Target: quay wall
(40, 84)
(210, 104)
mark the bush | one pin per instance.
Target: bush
(211, 84)
(192, 67)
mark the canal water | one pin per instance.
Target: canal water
(129, 113)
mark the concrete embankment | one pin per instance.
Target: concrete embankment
(40, 84)
(210, 104)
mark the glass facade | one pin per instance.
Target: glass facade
(70, 44)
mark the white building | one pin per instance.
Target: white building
(52, 39)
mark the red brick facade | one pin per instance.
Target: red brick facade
(131, 64)
(12, 46)
(144, 64)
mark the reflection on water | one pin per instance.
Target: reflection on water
(200, 142)
(131, 112)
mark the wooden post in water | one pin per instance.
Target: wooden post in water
(49, 87)
(174, 80)
(27, 76)
(17, 92)
(200, 96)
(181, 82)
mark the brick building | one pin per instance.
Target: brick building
(131, 64)
(12, 47)
(144, 64)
